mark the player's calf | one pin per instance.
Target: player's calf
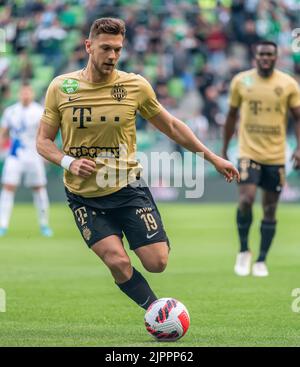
(127, 278)
(120, 267)
(114, 256)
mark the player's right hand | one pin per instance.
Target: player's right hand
(82, 167)
(227, 169)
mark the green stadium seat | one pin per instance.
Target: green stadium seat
(36, 60)
(8, 48)
(39, 86)
(150, 72)
(44, 73)
(67, 19)
(127, 2)
(296, 57)
(198, 62)
(152, 60)
(14, 92)
(14, 65)
(71, 42)
(176, 88)
(77, 12)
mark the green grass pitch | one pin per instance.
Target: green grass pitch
(59, 294)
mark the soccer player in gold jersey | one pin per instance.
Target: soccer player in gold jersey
(264, 95)
(95, 109)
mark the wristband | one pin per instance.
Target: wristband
(66, 162)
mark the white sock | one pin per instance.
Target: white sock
(41, 202)
(6, 205)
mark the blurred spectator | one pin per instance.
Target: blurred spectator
(26, 71)
(249, 36)
(78, 57)
(199, 125)
(178, 46)
(49, 36)
(211, 108)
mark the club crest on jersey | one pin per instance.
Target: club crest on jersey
(248, 81)
(118, 92)
(69, 86)
(278, 91)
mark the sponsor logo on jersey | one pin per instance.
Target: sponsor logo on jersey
(80, 115)
(95, 152)
(81, 215)
(263, 129)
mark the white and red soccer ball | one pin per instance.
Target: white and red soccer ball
(167, 319)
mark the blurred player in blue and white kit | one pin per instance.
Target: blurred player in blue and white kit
(20, 122)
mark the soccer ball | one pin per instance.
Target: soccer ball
(167, 319)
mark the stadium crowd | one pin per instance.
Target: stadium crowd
(189, 50)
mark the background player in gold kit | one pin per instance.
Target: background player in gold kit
(264, 95)
(95, 108)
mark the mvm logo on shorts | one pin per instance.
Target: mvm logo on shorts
(143, 210)
(2, 300)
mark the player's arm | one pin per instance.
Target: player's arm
(183, 135)
(229, 128)
(4, 134)
(5, 126)
(47, 148)
(296, 155)
(232, 115)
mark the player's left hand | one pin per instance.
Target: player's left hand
(227, 169)
(296, 159)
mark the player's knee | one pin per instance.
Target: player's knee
(269, 211)
(246, 202)
(38, 188)
(161, 265)
(157, 266)
(11, 188)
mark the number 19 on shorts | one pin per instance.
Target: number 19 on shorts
(150, 222)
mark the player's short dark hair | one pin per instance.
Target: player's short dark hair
(266, 43)
(107, 25)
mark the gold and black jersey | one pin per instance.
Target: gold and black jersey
(97, 122)
(264, 104)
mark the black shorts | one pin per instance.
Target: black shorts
(268, 177)
(130, 211)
